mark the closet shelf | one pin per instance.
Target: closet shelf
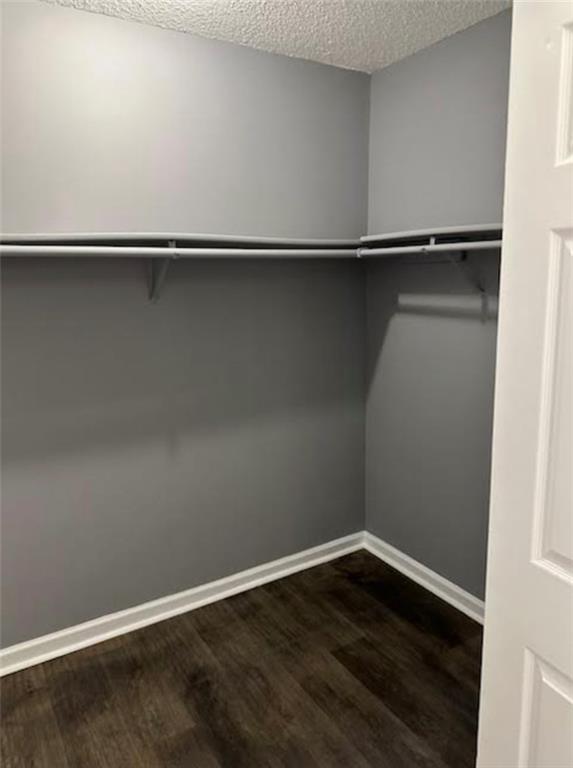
(446, 241)
(181, 239)
(470, 230)
(160, 248)
(477, 237)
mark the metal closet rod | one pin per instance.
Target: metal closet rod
(480, 245)
(168, 252)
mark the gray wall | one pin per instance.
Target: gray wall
(147, 449)
(150, 448)
(169, 131)
(437, 132)
(437, 158)
(429, 414)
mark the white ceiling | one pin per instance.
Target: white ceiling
(356, 34)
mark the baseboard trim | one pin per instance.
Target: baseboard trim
(40, 649)
(432, 581)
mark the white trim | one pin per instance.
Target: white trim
(40, 649)
(74, 638)
(432, 581)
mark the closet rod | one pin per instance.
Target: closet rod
(481, 245)
(175, 253)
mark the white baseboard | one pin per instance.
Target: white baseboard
(40, 649)
(47, 647)
(433, 582)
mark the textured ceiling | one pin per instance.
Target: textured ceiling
(357, 34)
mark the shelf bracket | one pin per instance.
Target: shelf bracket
(474, 281)
(469, 274)
(158, 268)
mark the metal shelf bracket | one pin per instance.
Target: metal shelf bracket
(474, 281)
(158, 268)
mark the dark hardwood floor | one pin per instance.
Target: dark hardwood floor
(348, 664)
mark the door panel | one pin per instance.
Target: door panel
(526, 710)
(553, 535)
(546, 732)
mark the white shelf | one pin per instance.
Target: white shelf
(460, 232)
(161, 248)
(179, 238)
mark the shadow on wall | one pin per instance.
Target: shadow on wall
(456, 289)
(481, 306)
(89, 361)
(430, 380)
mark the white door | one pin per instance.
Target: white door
(526, 712)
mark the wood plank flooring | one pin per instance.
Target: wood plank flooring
(348, 664)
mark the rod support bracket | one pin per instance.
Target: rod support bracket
(158, 268)
(474, 281)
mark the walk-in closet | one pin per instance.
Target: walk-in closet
(251, 261)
